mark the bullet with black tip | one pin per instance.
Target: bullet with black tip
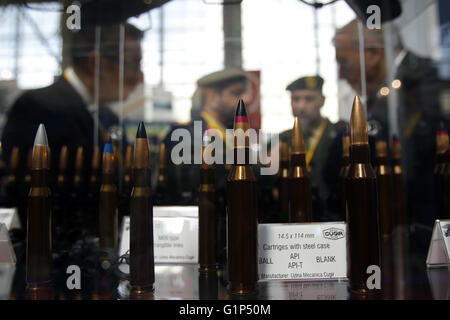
(362, 207)
(39, 237)
(242, 212)
(142, 269)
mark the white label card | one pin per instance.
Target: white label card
(438, 251)
(10, 218)
(175, 234)
(302, 251)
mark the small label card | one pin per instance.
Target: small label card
(7, 255)
(10, 218)
(302, 251)
(175, 234)
(438, 252)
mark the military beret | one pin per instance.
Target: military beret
(309, 82)
(222, 77)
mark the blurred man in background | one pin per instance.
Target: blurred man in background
(67, 107)
(323, 145)
(418, 90)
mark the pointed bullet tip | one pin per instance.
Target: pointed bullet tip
(108, 148)
(141, 133)
(395, 139)
(297, 142)
(358, 124)
(240, 110)
(41, 136)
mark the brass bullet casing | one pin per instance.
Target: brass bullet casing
(299, 179)
(78, 175)
(399, 197)
(161, 181)
(242, 214)
(384, 184)
(108, 216)
(344, 169)
(11, 181)
(61, 180)
(39, 238)
(127, 167)
(142, 265)
(283, 183)
(362, 210)
(94, 179)
(27, 178)
(207, 220)
(442, 144)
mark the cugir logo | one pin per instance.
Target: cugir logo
(333, 233)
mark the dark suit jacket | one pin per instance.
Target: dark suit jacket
(65, 116)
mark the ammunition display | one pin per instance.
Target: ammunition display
(242, 213)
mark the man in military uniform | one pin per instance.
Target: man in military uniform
(214, 105)
(323, 145)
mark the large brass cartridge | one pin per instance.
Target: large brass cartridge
(299, 180)
(399, 197)
(283, 183)
(242, 212)
(142, 265)
(207, 220)
(39, 238)
(362, 209)
(108, 217)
